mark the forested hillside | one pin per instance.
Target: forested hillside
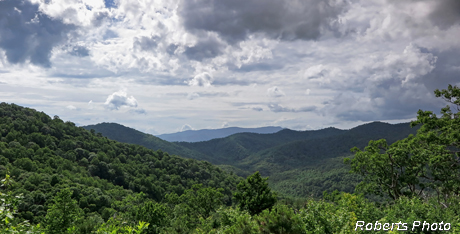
(298, 163)
(61, 179)
(45, 155)
(125, 134)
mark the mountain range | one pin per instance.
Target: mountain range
(209, 134)
(298, 163)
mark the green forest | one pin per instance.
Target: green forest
(60, 178)
(298, 163)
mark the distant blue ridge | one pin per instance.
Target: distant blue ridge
(209, 134)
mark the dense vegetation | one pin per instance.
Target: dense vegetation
(417, 177)
(46, 155)
(298, 163)
(124, 134)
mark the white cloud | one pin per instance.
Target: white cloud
(378, 59)
(119, 99)
(192, 96)
(186, 127)
(203, 79)
(71, 107)
(275, 92)
(224, 125)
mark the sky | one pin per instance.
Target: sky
(163, 66)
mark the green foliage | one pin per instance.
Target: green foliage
(424, 165)
(47, 155)
(116, 226)
(128, 135)
(156, 214)
(281, 219)
(299, 163)
(254, 195)
(8, 210)
(63, 214)
(75, 181)
(195, 204)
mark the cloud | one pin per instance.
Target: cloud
(186, 127)
(71, 107)
(392, 87)
(90, 104)
(28, 34)
(110, 3)
(307, 92)
(236, 20)
(204, 49)
(139, 111)
(224, 125)
(257, 109)
(446, 13)
(79, 51)
(192, 96)
(203, 79)
(278, 108)
(146, 43)
(275, 92)
(119, 99)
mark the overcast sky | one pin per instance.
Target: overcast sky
(163, 66)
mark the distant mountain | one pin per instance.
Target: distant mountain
(125, 134)
(299, 163)
(249, 148)
(209, 134)
(234, 148)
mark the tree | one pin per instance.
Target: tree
(153, 213)
(8, 209)
(62, 214)
(422, 165)
(254, 195)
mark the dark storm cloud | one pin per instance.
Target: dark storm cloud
(446, 13)
(208, 48)
(278, 19)
(447, 70)
(278, 108)
(28, 34)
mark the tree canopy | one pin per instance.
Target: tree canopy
(427, 164)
